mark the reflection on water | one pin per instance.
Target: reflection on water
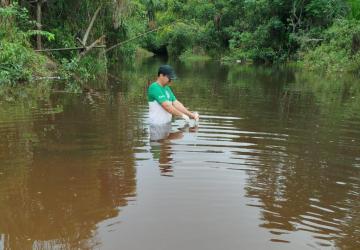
(273, 163)
(62, 174)
(161, 139)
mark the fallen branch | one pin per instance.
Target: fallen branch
(73, 48)
(84, 40)
(48, 78)
(88, 48)
(79, 40)
(86, 36)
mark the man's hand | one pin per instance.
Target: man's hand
(196, 116)
(186, 118)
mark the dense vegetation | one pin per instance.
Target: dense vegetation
(321, 34)
(65, 24)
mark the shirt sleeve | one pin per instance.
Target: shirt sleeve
(172, 96)
(155, 93)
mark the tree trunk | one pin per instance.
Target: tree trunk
(38, 23)
(4, 3)
(83, 42)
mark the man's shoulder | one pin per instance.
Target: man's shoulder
(155, 90)
(168, 88)
(154, 85)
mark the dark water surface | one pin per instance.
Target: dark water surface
(273, 164)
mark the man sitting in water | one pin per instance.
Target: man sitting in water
(163, 103)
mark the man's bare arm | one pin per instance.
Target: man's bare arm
(169, 107)
(179, 106)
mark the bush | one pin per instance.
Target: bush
(181, 37)
(194, 54)
(176, 38)
(355, 9)
(340, 50)
(18, 62)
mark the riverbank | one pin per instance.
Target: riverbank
(329, 46)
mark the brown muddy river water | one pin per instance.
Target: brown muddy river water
(273, 164)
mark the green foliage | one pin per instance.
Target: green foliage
(260, 31)
(18, 62)
(78, 72)
(355, 9)
(15, 62)
(17, 26)
(323, 12)
(340, 50)
(195, 54)
(67, 22)
(179, 37)
(259, 45)
(254, 30)
(271, 31)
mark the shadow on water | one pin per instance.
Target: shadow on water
(161, 140)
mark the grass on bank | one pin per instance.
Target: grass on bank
(194, 55)
(339, 50)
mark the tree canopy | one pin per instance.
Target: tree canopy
(259, 31)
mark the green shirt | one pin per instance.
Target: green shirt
(161, 94)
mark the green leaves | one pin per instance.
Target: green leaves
(49, 36)
(339, 51)
(265, 31)
(323, 12)
(354, 9)
(18, 61)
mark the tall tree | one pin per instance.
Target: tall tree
(38, 22)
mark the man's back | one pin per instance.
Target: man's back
(158, 94)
